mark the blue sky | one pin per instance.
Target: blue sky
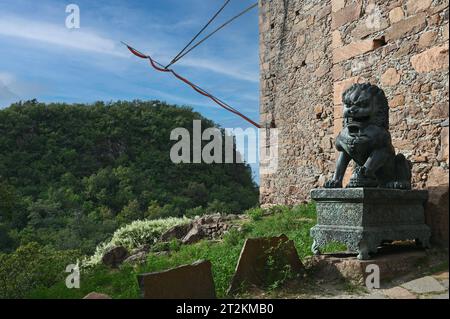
(40, 58)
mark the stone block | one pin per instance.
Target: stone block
(399, 29)
(337, 5)
(432, 59)
(185, 282)
(427, 39)
(345, 15)
(424, 285)
(393, 261)
(336, 40)
(396, 101)
(338, 111)
(390, 77)
(415, 6)
(399, 293)
(340, 86)
(354, 49)
(445, 295)
(323, 12)
(439, 111)
(443, 154)
(396, 15)
(366, 27)
(338, 72)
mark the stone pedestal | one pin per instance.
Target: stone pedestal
(364, 218)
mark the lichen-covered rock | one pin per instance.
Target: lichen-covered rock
(115, 256)
(196, 234)
(137, 258)
(176, 232)
(206, 227)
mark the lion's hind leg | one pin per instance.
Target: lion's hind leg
(402, 174)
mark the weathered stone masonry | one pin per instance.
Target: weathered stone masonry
(311, 51)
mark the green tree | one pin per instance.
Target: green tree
(32, 266)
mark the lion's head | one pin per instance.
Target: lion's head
(365, 104)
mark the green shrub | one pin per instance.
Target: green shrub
(173, 245)
(135, 235)
(118, 284)
(255, 214)
(233, 237)
(32, 266)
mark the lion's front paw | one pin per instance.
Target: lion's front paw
(362, 178)
(332, 183)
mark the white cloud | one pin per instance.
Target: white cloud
(86, 39)
(13, 89)
(81, 39)
(173, 98)
(6, 78)
(5, 93)
(230, 68)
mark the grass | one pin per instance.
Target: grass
(294, 222)
(443, 266)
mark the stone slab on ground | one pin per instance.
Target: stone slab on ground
(441, 275)
(424, 285)
(376, 295)
(96, 295)
(253, 269)
(399, 293)
(393, 261)
(438, 296)
(193, 281)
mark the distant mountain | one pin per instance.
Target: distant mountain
(71, 174)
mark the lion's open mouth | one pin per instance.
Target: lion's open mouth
(355, 124)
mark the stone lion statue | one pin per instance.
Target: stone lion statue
(366, 140)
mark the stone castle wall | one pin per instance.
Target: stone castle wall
(311, 51)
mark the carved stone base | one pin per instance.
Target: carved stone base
(394, 262)
(364, 218)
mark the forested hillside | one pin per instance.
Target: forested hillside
(72, 174)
